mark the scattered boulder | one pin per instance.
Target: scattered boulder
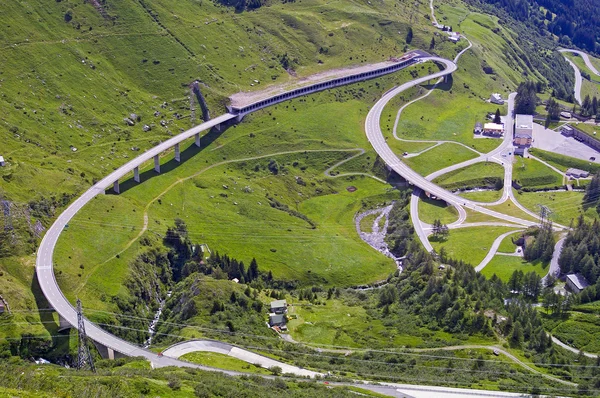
(146, 128)
(129, 122)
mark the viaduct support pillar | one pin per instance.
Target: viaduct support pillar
(217, 127)
(197, 136)
(156, 164)
(116, 187)
(177, 153)
(136, 174)
(63, 324)
(106, 352)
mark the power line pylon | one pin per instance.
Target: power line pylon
(84, 357)
(544, 213)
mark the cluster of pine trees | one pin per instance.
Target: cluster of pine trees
(589, 107)
(460, 300)
(574, 22)
(527, 99)
(581, 251)
(553, 109)
(529, 284)
(400, 230)
(542, 247)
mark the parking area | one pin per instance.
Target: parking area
(553, 141)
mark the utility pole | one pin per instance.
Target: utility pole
(84, 358)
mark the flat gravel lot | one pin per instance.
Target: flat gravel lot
(553, 141)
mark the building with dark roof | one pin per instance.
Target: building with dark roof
(577, 282)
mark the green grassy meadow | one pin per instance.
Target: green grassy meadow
(565, 206)
(508, 207)
(470, 176)
(482, 196)
(439, 157)
(533, 174)
(226, 220)
(339, 324)
(507, 246)
(431, 210)
(504, 266)
(222, 361)
(470, 244)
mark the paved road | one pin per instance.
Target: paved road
(44, 265)
(578, 78)
(493, 250)
(569, 348)
(179, 349)
(554, 268)
(378, 141)
(585, 57)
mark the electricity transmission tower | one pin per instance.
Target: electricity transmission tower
(84, 358)
(544, 213)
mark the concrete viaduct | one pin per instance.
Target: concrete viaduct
(238, 113)
(108, 344)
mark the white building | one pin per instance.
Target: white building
(454, 37)
(2, 162)
(496, 98)
(523, 130)
(493, 129)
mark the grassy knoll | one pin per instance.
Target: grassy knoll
(530, 173)
(431, 210)
(563, 162)
(476, 175)
(222, 361)
(227, 219)
(470, 244)
(439, 157)
(507, 246)
(482, 196)
(565, 206)
(581, 331)
(504, 266)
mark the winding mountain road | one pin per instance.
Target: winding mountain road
(378, 141)
(578, 77)
(44, 261)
